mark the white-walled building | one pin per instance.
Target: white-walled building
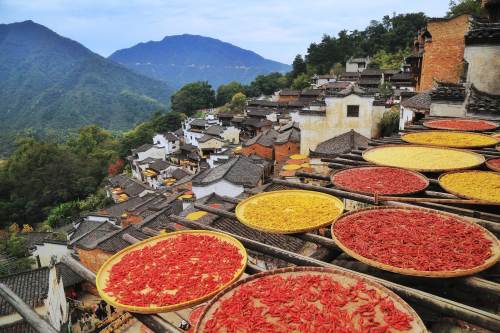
(230, 178)
(43, 291)
(169, 141)
(350, 109)
(357, 64)
(44, 252)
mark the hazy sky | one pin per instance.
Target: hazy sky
(276, 29)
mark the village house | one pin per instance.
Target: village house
(142, 155)
(230, 178)
(169, 141)
(229, 134)
(48, 250)
(414, 108)
(350, 109)
(320, 80)
(371, 78)
(340, 144)
(121, 187)
(43, 291)
(442, 43)
(287, 95)
(357, 64)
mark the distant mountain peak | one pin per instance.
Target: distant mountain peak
(180, 59)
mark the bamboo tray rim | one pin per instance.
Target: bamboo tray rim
(491, 167)
(481, 158)
(345, 188)
(405, 139)
(429, 125)
(419, 324)
(102, 273)
(494, 247)
(461, 195)
(241, 206)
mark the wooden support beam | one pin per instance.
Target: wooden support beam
(28, 314)
(154, 322)
(433, 302)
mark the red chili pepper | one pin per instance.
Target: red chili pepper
(175, 270)
(381, 180)
(414, 239)
(289, 304)
(462, 124)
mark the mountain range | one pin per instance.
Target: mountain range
(51, 82)
(181, 59)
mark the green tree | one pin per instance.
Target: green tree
(238, 103)
(226, 91)
(301, 82)
(337, 69)
(384, 60)
(471, 7)
(298, 66)
(62, 214)
(389, 124)
(268, 84)
(192, 97)
(16, 246)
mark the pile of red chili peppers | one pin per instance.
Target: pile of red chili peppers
(462, 124)
(194, 316)
(414, 239)
(306, 303)
(494, 162)
(172, 271)
(381, 180)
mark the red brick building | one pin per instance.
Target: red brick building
(443, 51)
(275, 145)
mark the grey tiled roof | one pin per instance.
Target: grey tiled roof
(311, 92)
(372, 72)
(31, 286)
(483, 33)
(292, 135)
(421, 101)
(257, 123)
(214, 130)
(115, 241)
(179, 173)
(341, 144)
(207, 137)
(188, 147)
(170, 136)
(448, 92)
(238, 170)
(20, 326)
(33, 238)
(259, 112)
(84, 227)
(483, 103)
(118, 209)
(159, 165)
(288, 243)
(130, 186)
(289, 92)
(90, 240)
(402, 77)
(352, 89)
(69, 278)
(266, 138)
(198, 122)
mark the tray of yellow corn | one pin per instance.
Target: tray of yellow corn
(473, 184)
(423, 158)
(450, 139)
(289, 211)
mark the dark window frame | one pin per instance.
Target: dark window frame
(353, 113)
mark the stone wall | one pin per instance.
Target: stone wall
(484, 67)
(443, 58)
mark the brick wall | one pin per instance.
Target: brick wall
(443, 57)
(281, 152)
(266, 152)
(93, 259)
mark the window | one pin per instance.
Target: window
(353, 111)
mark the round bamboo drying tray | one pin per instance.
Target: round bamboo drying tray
(349, 189)
(104, 271)
(461, 194)
(432, 124)
(344, 278)
(411, 165)
(287, 227)
(419, 139)
(495, 248)
(492, 167)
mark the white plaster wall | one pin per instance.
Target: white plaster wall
(153, 152)
(57, 308)
(222, 187)
(484, 67)
(231, 134)
(272, 117)
(316, 129)
(47, 250)
(170, 147)
(405, 116)
(447, 109)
